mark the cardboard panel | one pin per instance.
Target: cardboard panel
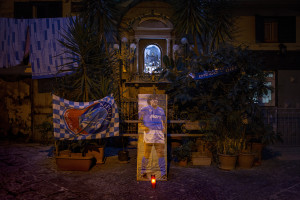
(152, 140)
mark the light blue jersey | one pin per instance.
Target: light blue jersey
(153, 119)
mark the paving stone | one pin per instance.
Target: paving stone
(27, 172)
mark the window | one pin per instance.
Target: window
(23, 10)
(269, 98)
(45, 9)
(152, 59)
(271, 31)
(275, 29)
(49, 9)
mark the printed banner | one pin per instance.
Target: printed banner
(12, 41)
(152, 137)
(85, 120)
(39, 38)
(213, 73)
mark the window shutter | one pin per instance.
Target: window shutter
(259, 29)
(49, 9)
(23, 10)
(287, 29)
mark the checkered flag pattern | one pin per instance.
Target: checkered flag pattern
(62, 130)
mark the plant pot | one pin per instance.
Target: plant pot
(176, 141)
(227, 162)
(123, 156)
(183, 163)
(199, 159)
(65, 153)
(246, 160)
(175, 144)
(76, 163)
(76, 154)
(257, 149)
(98, 155)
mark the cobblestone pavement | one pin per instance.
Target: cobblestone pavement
(28, 173)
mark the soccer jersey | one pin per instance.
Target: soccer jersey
(153, 119)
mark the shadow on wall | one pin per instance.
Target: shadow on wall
(15, 118)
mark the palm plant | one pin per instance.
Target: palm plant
(102, 15)
(209, 23)
(91, 78)
(86, 48)
(87, 41)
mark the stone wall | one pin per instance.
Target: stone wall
(15, 118)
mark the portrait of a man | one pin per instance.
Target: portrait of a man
(152, 149)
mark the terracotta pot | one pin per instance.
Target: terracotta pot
(257, 149)
(200, 159)
(76, 154)
(98, 155)
(176, 141)
(182, 163)
(65, 153)
(74, 163)
(175, 144)
(123, 156)
(246, 160)
(227, 162)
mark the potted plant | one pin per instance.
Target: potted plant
(227, 149)
(95, 149)
(123, 155)
(261, 135)
(203, 155)
(77, 163)
(246, 156)
(182, 154)
(229, 131)
(76, 147)
(45, 128)
(73, 159)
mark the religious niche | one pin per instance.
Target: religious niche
(152, 59)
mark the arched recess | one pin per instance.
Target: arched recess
(152, 30)
(152, 58)
(149, 24)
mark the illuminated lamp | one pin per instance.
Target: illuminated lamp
(184, 40)
(116, 47)
(124, 39)
(153, 181)
(175, 47)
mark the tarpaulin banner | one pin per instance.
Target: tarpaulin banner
(85, 120)
(212, 73)
(39, 38)
(12, 41)
(152, 137)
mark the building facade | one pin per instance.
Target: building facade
(270, 29)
